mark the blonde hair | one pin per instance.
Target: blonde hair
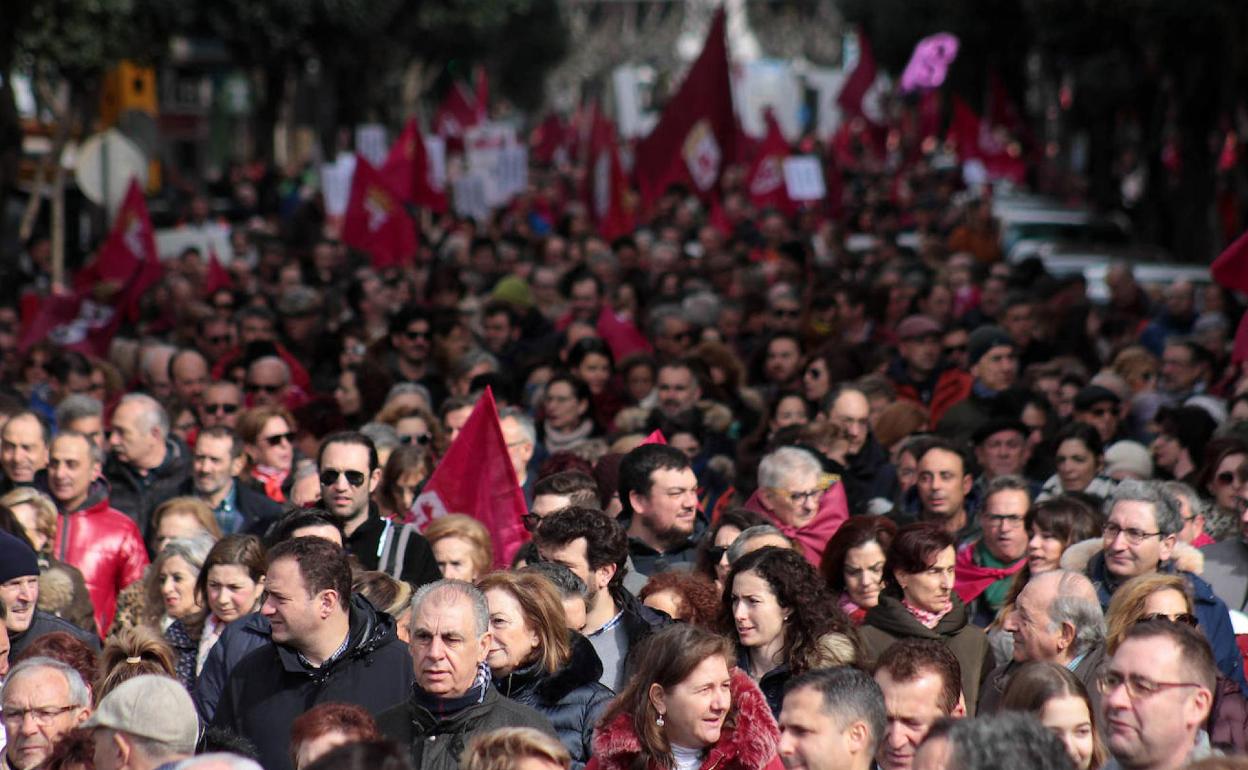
(501, 749)
(1127, 606)
(543, 613)
(130, 653)
(470, 531)
(186, 504)
(45, 509)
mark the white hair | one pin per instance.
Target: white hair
(785, 463)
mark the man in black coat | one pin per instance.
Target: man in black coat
(217, 461)
(453, 696)
(147, 465)
(325, 645)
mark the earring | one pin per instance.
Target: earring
(659, 720)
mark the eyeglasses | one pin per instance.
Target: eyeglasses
(716, 552)
(220, 408)
(1134, 536)
(786, 313)
(952, 349)
(416, 438)
(1005, 521)
(414, 335)
(1225, 477)
(329, 477)
(255, 387)
(220, 339)
(797, 498)
(279, 439)
(1103, 411)
(41, 716)
(1138, 687)
(1186, 618)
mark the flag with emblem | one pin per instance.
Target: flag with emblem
(476, 478)
(696, 136)
(408, 173)
(108, 290)
(765, 181)
(375, 221)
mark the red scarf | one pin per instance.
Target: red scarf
(814, 535)
(971, 579)
(272, 478)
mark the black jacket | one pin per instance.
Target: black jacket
(398, 550)
(257, 510)
(239, 639)
(572, 698)
(45, 623)
(138, 496)
(870, 475)
(270, 687)
(436, 744)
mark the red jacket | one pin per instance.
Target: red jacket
(106, 546)
(750, 745)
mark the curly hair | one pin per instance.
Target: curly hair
(698, 598)
(814, 615)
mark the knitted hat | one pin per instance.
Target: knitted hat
(515, 291)
(983, 339)
(1128, 457)
(16, 558)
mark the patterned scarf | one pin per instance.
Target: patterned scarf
(856, 612)
(928, 619)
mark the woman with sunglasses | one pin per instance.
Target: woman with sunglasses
(1217, 481)
(268, 435)
(1158, 596)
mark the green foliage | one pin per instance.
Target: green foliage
(79, 39)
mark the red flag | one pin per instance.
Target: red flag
(608, 185)
(551, 140)
(482, 94)
(974, 140)
(456, 114)
(620, 334)
(130, 244)
(1230, 271)
(408, 173)
(696, 136)
(654, 438)
(476, 478)
(375, 221)
(859, 81)
(72, 321)
(217, 277)
(765, 181)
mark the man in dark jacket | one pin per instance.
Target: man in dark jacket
(993, 359)
(324, 645)
(868, 473)
(218, 459)
(147, 465)
(19, 595)
(453, 697)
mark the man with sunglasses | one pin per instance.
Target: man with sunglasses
(220, 405)
(1139, 538)
(1099, 407)
(1156, 695)
(349, 474)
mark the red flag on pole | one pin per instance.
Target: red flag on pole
(476, 478)
(407, 170)
(456, 114)
(620, 334)
(696, 136)
(859, 81)
(106, 291)
(217, 277)
(375, 221)
(765, 180)
(482, 94)
(607, 184)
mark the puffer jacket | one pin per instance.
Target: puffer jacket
(104, 544)
(748, 740)
(239, 639)
(137, 496)
(572, 698)
(270, 687)
(889, 622)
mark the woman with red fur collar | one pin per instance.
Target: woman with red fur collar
(687, 707)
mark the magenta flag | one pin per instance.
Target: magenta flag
(929, 64)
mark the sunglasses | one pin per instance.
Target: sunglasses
(253, 387)
(418, 438)
(329, 477)
(531, 520)
(716, 552)
(1225, 477)
(220, 339)
(955, 349)
(220, 408)
(1186, 618)
(279, 439)
(786, 313)
(411, 335)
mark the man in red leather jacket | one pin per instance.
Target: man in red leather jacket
(99, 540)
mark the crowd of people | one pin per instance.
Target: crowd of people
(797, 495)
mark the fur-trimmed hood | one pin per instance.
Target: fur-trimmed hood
(715, 417)
(1076, 557)
(748, 741)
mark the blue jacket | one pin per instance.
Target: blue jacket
(239, 639)
(1211, 612)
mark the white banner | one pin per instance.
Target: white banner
(803, 178)
(370, 141)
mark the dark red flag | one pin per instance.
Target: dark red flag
(375, 221)
(217, 277)
(608, 186)
(457, 113)
(696, 136)
(1230, 271)
(859, 81)
(765, 180)
(476, 478)
(408, 173)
